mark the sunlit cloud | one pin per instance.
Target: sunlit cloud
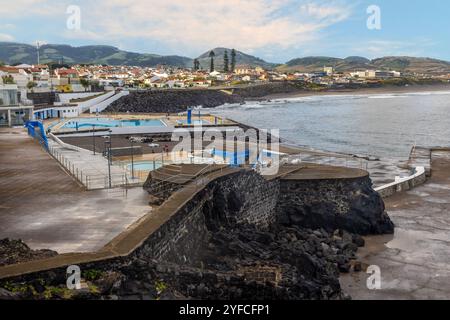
(193, 26)
(6, 37)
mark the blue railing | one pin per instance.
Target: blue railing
(37, 134)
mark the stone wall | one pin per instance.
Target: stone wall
(240, 198)
(247, 198)
(403, 184)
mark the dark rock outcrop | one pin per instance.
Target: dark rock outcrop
(16, 251)
(171, 101)
(351, 205)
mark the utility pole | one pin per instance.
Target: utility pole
(38, 45)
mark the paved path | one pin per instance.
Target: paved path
(43, 205)
(415, 262)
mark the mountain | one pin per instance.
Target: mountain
(403, 64)
(241, 59)
(412, 64)
(12, 53)
(16, 53)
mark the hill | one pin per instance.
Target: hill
(13, 53)
(403, 64)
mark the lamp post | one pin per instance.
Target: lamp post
(110, 157)
(132, 159)
(108, 153)
(93, 137)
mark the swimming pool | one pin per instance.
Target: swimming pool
(145, 165)
(111, 123)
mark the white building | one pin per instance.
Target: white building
(12, 113)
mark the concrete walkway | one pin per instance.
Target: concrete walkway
(89, 169)
(415, 262)
(43, 205)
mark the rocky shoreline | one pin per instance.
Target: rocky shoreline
(175, 101)
(16, 251)
(284, 263)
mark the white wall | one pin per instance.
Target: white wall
(66, 97)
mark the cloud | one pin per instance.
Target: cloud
(6, 37)
(21, 8)
(326, 12)
(191, 26)
(378, 48)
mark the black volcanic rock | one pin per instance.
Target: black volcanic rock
(171, 101)
(16, 251)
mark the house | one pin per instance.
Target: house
(243, 70)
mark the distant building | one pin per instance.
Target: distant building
(328, 70)
(375, 74)
(243, 70)
(12, 113)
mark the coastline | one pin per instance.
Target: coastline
(360, 91)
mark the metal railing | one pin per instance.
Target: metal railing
(91, 181)
(337, 161)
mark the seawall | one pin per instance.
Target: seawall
(190, 230)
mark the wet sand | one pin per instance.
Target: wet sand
(415, 262)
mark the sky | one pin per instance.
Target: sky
(276, 30)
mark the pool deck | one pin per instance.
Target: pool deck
(42, 204)
(415, 262)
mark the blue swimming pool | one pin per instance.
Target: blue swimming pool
(111, 123)
(145, 165)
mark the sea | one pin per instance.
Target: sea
(380, 125)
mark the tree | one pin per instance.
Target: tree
(212, 55)
(196, 65)
(8, 79)
(85, 83)
(233, 60)
(1, 63)
(31, 85)
(226, 62)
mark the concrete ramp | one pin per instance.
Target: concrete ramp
(100, 107)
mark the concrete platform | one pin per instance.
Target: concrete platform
(415, 262)
(43, 205)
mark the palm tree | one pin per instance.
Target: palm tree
(212, 55)
(85, 83)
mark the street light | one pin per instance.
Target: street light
(93, 137)
(108, 153)
(132, 159)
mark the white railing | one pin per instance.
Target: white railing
(92, 181)
(403, 184)
(336, 161)
(100, 107)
